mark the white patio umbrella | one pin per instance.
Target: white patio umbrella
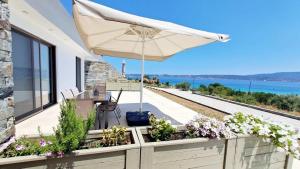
(106, 31)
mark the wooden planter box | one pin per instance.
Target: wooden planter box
(253, 152)
(118, 157)
(200, 153)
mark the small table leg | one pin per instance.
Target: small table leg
(106, 119)
(97, 120)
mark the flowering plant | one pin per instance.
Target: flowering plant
(282, 136)
(161, 129)
(24, 146)
(69, 135)
(115, 136)
(207, 127)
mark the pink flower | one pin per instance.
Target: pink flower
(43, 143)
(48, 154)
(60, 154)
(20, 147)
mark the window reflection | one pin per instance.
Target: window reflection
(33, 81)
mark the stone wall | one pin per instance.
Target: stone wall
(97, 73)
(6, 75)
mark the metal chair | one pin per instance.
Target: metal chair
(99, 89)
(112, 106)
(67, 94)
(75, 92)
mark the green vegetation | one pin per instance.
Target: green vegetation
(289, 103)
(155, 82)
(283, 136)
(69, 135)
(185, 86)
(115, 136)
(161, 129)
(72, 130)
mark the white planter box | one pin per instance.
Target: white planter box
(253, 152)
(200, 153)
(118, 157)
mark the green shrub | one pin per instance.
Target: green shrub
(262, 98)
(282, 102)
(297, 107)
(248, 99)
(203, 89)
(72, 130)
(185, 86)
(161, 130)
(113, 137)
(69, 135)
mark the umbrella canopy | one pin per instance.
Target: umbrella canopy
(106, 31)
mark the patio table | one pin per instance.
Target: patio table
(101, 98)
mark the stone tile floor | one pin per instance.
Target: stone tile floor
(129, 101)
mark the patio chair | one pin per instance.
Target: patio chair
(112, 106)
(75, 92)
(67, 94)
(83, 108)
(99, 89)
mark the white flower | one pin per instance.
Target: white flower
(266, 140)
(282, 139)
(168, 121)
(207, 125)
(196, 124)
(264, 130)
(260, 118)
(285, 135)
(280, 149)
(282, 132)
(227, 118)
(273, 135)
(295, 143)
(297, 155)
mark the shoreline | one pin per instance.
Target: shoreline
(274, 87)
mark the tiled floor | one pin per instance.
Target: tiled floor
(129, 101)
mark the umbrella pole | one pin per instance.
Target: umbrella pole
(142, 74)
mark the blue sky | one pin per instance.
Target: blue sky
(265, 35)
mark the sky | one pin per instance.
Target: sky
(264, 35)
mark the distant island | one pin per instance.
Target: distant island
(279, 76)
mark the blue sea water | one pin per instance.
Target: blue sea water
(242, 85)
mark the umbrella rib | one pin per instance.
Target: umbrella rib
(158, 48)
(136, 42)
(100, 33)
(174, 44)
(99, 44)
(172, 34)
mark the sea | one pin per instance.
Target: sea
(276, 87)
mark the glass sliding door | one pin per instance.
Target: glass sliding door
(78, 73)
(37, 74)
(34, 75)
(45, 74)
(23, 77)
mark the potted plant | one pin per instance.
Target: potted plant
(203, 142)
(75, 146)
(263, 144)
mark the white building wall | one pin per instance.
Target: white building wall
(28, 18)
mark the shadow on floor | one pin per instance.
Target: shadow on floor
(125, 107)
